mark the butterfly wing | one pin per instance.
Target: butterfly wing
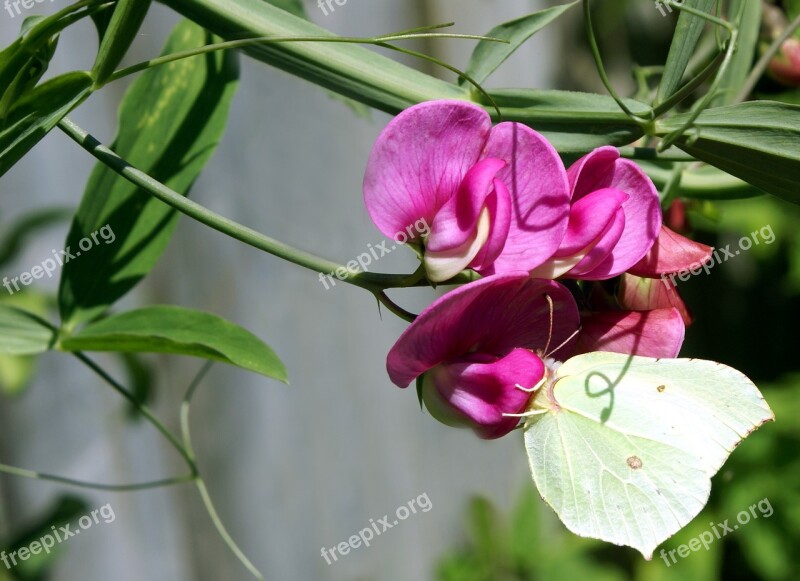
(629, 444)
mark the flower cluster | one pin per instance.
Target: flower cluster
(500, 201)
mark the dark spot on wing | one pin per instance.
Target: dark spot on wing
(634, 462)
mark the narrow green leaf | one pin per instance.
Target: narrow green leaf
(167, 329)
(118, 36)
(171, 120)
(746, 51)
(573, 122)
(758, 142)
(347, 69)
(33, 116)
(22, 333)
(29, 74)
(489, 55)
(684, 41)
(291, 6)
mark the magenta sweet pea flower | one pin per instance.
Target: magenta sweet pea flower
(671, 253)
(475, 345)
(614, 219)
(496, 199)
(655, 333)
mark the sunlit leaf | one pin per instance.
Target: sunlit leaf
(684, 41)
(489, 55)
(35, 114)
(167, 329)
(171, 120)
(22, 333)
(758, 142)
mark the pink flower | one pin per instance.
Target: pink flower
(647, 294)
(639, 320)
(785, 67)
(671, 253)
(655, 333)
(474, 345)
(614, 219)
(495, 199)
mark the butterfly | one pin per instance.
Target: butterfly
(623, 447)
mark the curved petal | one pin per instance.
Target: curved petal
(603, 168)
(419, 161)
(536, 178)
(589, 218)
(493, 315)
(499, 206)
(657, 333)
(647, 294)
(445, 264)
(601, 251)
(671, 253)
(482, 390)
(457, 219)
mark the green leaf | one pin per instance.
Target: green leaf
(489, 55)
(573, 122)
(33, 116)
(746, 51)
(171, 120)
(67, 508)
(33, 70)
(121, 31)
(167, 329)
(23, 333)
(347, 69)
(684, 41)
(291, 6)
(18, 371)
(623, 448)
(758, 142)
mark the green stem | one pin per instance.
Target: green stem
(140, 407)
(712, 91)
(690, 87)
(373, 282)
(763, 63)
(201, 485)
(247, 42)
(14, 471)
(394, 307)
(598, 59)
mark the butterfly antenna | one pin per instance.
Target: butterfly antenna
(567, 340)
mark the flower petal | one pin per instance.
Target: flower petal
(457, 219)
(603, 168)
(657, 333)
(589, 218)
(601, 251)
(499, 205)
(482, 391)
(493, 315)
(536, 178)
(671, 253)
(419, 161)
(445, 264)
(647, 294)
